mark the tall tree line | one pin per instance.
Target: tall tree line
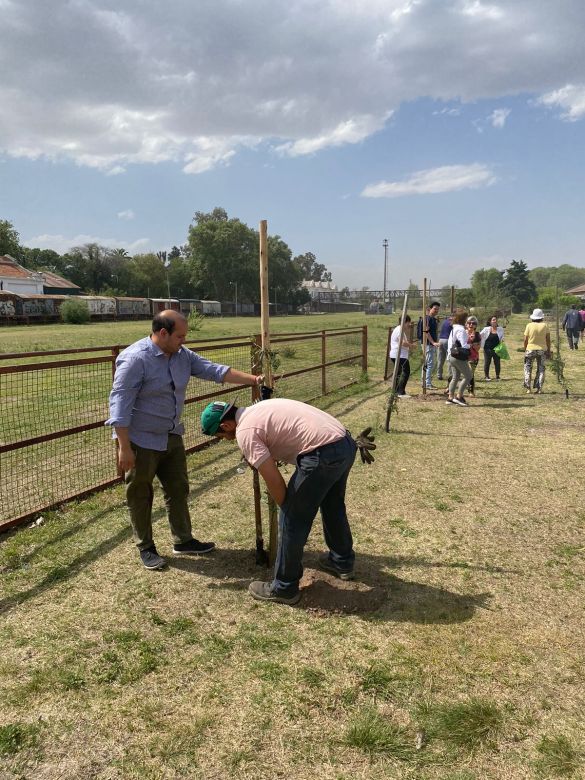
(219, 256)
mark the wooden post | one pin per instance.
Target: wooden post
(267, 369)
(424, 337)
(452, 299)
(392, 398)
(365, 349)
(323, 361)
(261, 556)
(387, 363)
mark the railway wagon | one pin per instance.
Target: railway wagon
(162, 304)
(209, 308)
(132, 308)
(100, 307)
(9, 303)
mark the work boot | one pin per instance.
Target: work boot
(327, 565)
(262, 591)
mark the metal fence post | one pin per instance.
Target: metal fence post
(323, 361)
(365, 349)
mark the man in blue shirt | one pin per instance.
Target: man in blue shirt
(146, 403)
(432, 342)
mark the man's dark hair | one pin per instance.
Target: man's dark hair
(159, 322)
(435, 303)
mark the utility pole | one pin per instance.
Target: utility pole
(385, 245)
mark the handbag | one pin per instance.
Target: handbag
(459, 352)
(501, 351)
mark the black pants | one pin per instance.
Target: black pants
(488, 354)
(403, 375)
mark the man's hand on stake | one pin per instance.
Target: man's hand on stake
(365, 443)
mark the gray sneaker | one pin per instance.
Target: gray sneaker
(262, 591)
(327, 565)
(151, 559)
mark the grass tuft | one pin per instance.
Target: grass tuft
(558, 757)
(372, 733)
(16, 736)
(381, 681)
(471, 724)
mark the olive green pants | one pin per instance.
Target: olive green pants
(170, 466)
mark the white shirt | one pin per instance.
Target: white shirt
(485, 332)
(394, 337)
(457, 334)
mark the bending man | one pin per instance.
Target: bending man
(323, 453)
(146, 404)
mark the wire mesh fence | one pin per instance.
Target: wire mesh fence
(54, 445)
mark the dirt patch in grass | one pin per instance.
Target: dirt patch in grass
(324, 594)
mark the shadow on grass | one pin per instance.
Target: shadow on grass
(375, 593)
(66, 571)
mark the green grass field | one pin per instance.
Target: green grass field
(457, 654)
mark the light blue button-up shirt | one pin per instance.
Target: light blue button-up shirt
(149, 388)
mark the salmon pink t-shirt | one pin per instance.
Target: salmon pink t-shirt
(282, 430)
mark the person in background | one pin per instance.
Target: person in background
(474, 342)
(491, 336)
(444, 333)
(405, 347)
(571, 324)
(460, 369)
(146, 404)
(432, 330)
(582, 315)
(536, 349)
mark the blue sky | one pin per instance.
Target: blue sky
(453, 128)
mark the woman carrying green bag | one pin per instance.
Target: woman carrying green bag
(492, 336)
(501, 351)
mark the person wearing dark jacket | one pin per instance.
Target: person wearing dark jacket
(444, 333)
(571, 324)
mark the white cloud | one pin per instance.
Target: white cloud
(570, 98)
(127, 214)
(126, 83)
(433, 181)
(63, 244)
(498, 117)
(349, 132)
(447, 112)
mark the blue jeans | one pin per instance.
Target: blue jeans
(430, 364)
(319, 482)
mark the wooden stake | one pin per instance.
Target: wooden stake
(267, 369)
(392, 398)
(424, 337)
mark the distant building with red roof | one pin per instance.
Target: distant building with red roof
(57, 285)
(14, 278)
(17, 279)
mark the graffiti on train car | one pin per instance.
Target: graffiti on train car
(100, 306)
(38, 306)
(7, 309)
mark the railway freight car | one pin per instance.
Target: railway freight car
(100, 307)
(162, 304)
(132, 308)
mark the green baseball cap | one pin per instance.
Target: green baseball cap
(212, 416)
